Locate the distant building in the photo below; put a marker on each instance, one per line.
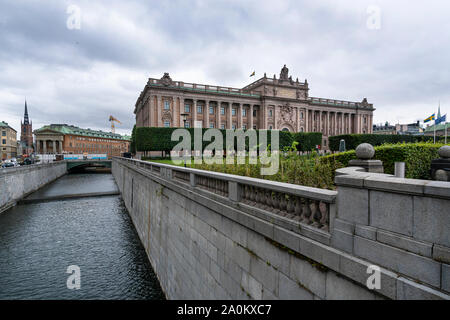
(440, 130)
(8, 141)
(384, 129)
(406, 129)
(413, 129)
(63, 138)
(26, 133)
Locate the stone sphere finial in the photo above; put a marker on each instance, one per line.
(444, 152)
(365, 151)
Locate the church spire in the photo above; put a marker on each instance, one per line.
(25, 117)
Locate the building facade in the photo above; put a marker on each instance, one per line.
(8, 141)
(68, 139)
(268, 103)
(413, 129)
(26, 133)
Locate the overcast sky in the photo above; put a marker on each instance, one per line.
(400, 62)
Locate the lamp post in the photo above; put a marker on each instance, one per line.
(184, 117)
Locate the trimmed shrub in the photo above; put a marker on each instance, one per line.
(159, 139)
(417, 158)
(353, 140)
(133, 140)
(307, 141)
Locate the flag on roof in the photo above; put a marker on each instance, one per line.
(441, 119)
(429, 118)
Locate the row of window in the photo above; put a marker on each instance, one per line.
(93, 139)
(187, 124)
(187, 109)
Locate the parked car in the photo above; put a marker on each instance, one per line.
(8, 164)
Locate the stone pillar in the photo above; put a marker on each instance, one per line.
(194, 114)
(328, 125)
(53, 146)
(241, 115)
(45, 146)
(61, 146)
(159, 111)
(320, 122)
(230, 115)
(342, 123)
(335, 124)
(180, 107)
(219, 115)
(250, 116)
(206, 125)
(349, 123)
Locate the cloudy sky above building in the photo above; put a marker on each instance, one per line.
(400, 62)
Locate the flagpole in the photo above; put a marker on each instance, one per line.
(445, 128)
(435, 131)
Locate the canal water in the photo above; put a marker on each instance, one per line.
(39, 241)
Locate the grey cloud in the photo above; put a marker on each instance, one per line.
(82, 76)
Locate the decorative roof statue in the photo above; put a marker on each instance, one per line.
(265, 75)
(284, 74)
(166, 79)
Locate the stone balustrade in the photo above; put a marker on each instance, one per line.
(214, 235)
(205, 88)
(298, 208)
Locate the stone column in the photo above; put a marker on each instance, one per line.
(251, 116)
(306, 120)
(180, 107)
(240, 115)
(230, 115)
(219, 115)
(194, 114)
(349, 123)
(53, 146)
(159, 111)
(327, 128)
(320, 122)
(45, 146)
(206, 114)
(38, 147)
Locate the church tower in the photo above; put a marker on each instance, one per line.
(26, 135)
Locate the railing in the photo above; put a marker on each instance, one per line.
(307, 211)
(332, 102)
(300, 205)
(205, 88)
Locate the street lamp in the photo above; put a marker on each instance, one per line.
(184, 117)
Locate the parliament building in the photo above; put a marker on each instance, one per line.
(267, 103)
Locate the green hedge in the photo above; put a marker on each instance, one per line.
(159, 139)
(353, 140)
(417, 157)
(307, 141)
(133, 140)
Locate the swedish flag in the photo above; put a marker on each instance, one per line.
(429, 118)
(253, 73)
